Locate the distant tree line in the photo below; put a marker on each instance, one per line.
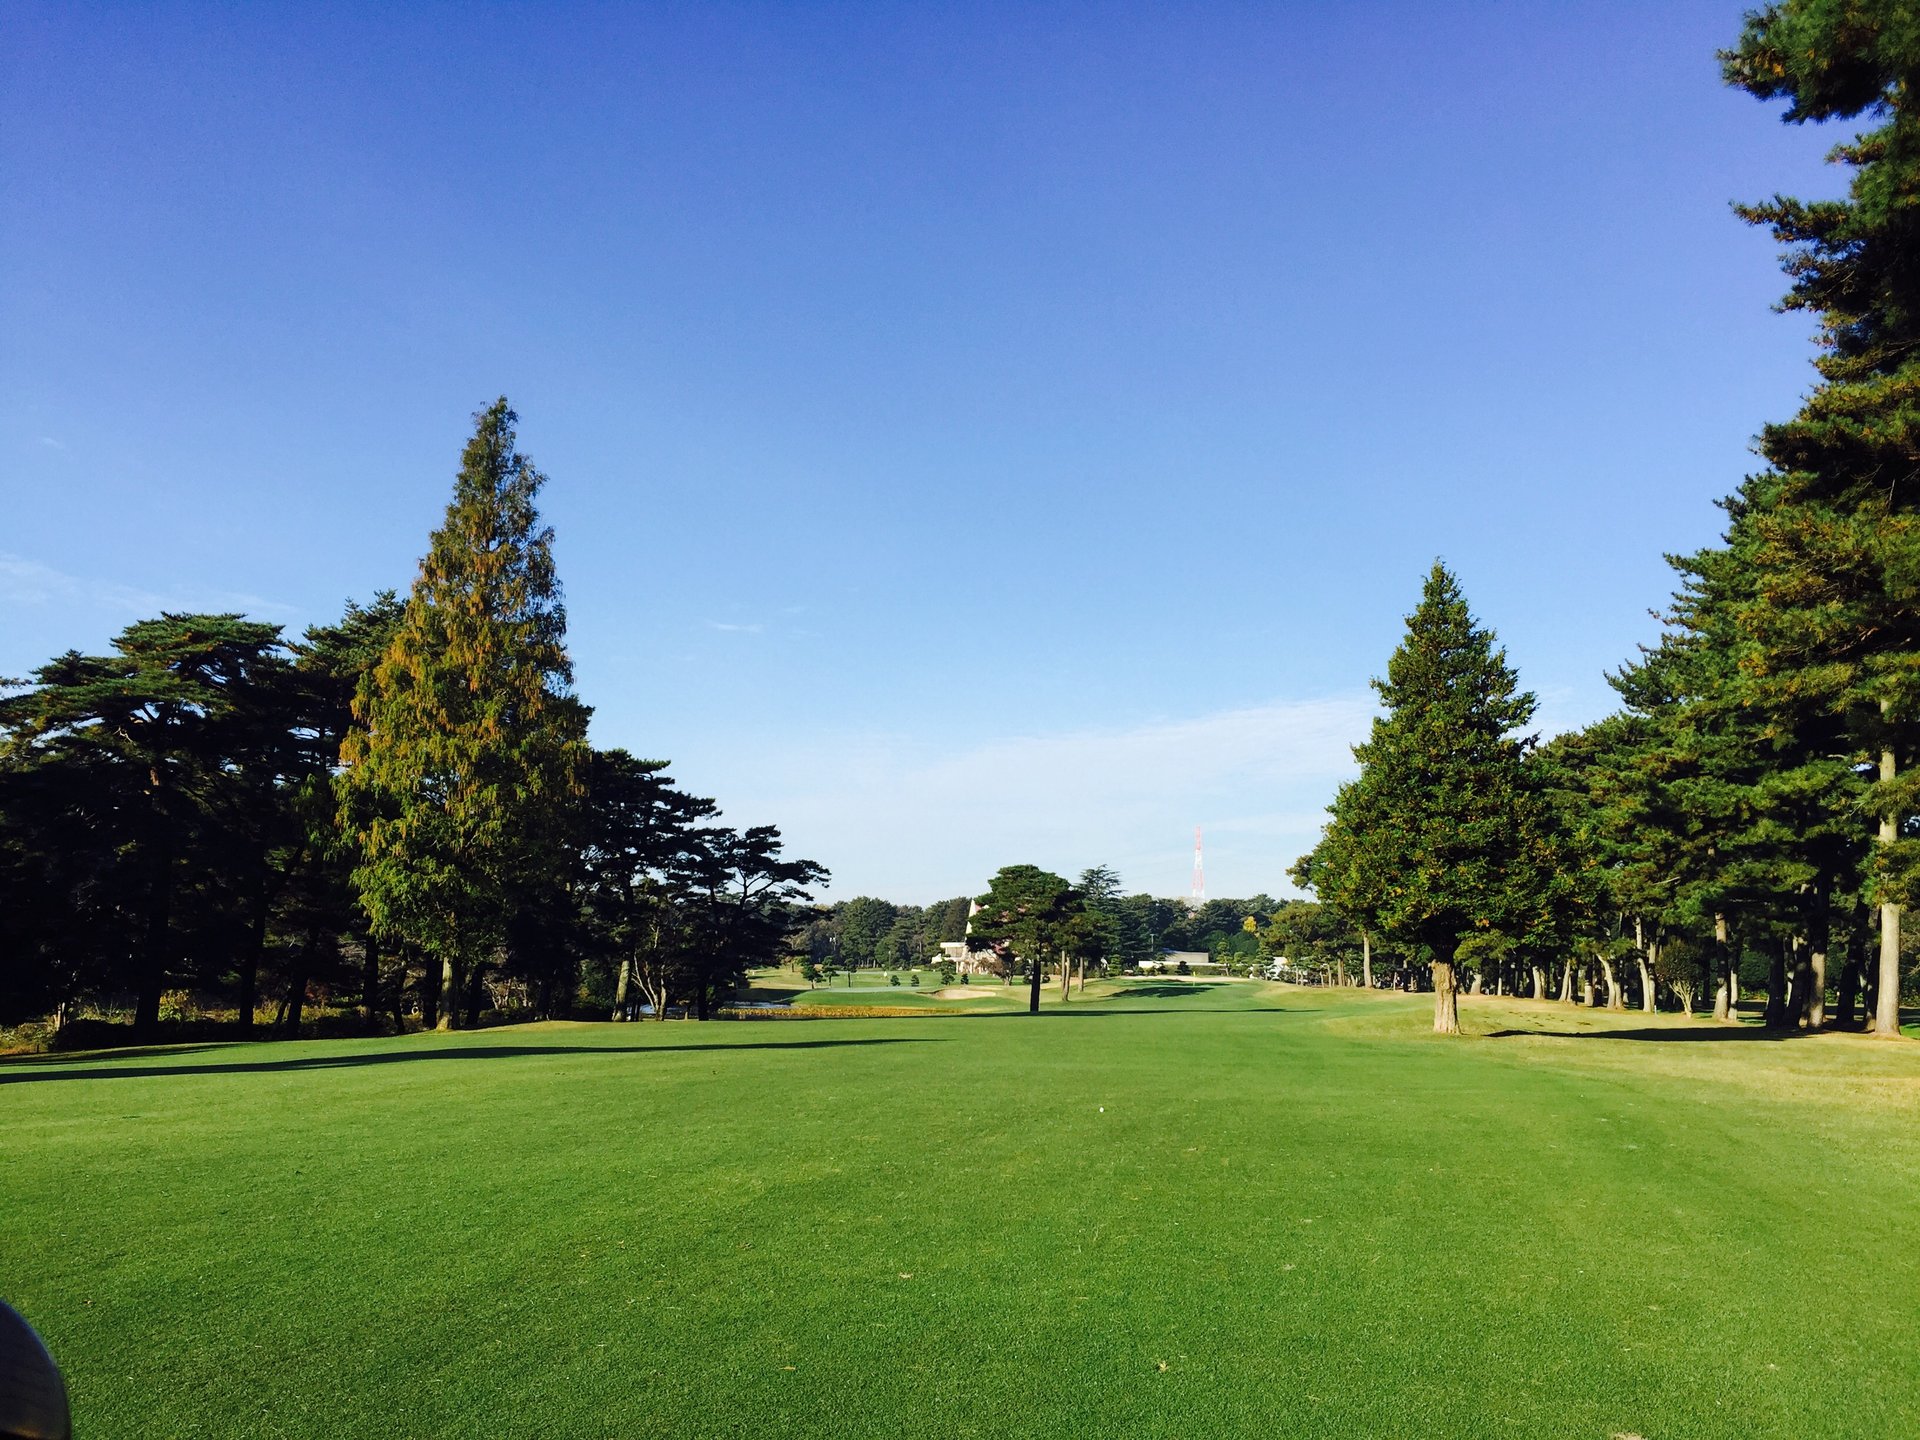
(866, 933)
(1750, 811)
(1126, 932)
(398, 811)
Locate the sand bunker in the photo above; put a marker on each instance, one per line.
(965, 992)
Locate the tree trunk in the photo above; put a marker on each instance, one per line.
(1586, 984)
(1566, 982)
(1479, 973)
(1849, 982)
(626, 979)
(1649, 987)
(1366, 959)
(1776, 1012)
(370, 979)
(1615, 1000)
(295, 1005)
(248, 999)
(447, 992)
(397, 992)
(1799, 984)
(1722, 973)
(1539, 982)
(1813, 1008)
(1080, 970)
(474, 995)
(1886, 985)
(1446, 1003)
(1033, 995)
(1066, 978)
(652, 980)
(1810, 988)
(153, 945)
(1886, 1010)
(431, 977)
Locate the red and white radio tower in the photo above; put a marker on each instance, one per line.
(1199, 873)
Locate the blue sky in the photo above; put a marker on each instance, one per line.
(976, 434)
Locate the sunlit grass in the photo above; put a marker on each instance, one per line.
(1178, 1210)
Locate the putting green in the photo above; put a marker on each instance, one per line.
(1176, 1211)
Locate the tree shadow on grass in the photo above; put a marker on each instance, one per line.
(1090, 1010)
(1189, 1010)
(776, 992)
(396, 1057)
(1164, 990)
(1662, 1033)
(131, 1052)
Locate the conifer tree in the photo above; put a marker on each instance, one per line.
(330, 663)
(639, 835)
(160, 738)
(1338, 872)
(742, 901)
(1027, 915)
(467, 738)
(1449, 811)
(1099, 887)
(1833, 526)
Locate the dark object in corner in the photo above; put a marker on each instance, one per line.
(33, 1397)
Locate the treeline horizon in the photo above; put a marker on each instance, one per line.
(399, 807)
(1756, 790)
(866, 932)
(402, 805)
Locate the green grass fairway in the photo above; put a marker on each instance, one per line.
(1296, 1215)
(870, 987)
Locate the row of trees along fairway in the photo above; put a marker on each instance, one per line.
(401, 808)
(1755, 795)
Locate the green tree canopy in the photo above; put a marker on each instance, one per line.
(154, 741)
(1030, 915)
(1448, 807)
(468, 742)
(1832, 527)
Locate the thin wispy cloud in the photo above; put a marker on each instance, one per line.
(901, 818)
(731, 628)
(24, 581)
(50, 443)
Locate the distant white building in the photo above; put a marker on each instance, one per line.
(965, 961)
(1172, 959)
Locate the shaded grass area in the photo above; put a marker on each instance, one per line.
(1223, 1211)
(915, 999)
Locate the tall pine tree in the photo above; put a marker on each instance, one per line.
(1444, 815)
(467, 739)
(1833, 526)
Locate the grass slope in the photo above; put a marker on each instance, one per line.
(1297, 1214)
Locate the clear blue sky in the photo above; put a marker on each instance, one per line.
(977, 434)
